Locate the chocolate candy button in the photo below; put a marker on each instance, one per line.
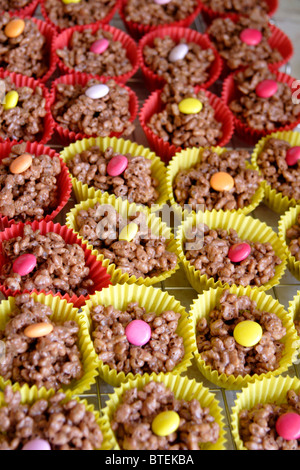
(190, 106)
(266, 89)
(25, 264)
(222, 181)
(14, 28)
(288, 426)
(100, 46)
(38, 330)
(178, 52)
(251, 37)
(11, 100)
(21, 164)
(165, 423)
(97, 91)
(239, 252)
(138, 332)
(247, 333)
(129, 232)
(117, 165)
(37, 444)
(292, 156)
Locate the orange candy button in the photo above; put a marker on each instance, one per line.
(222, 181)
(14, 28)
(38, 330)
(21, 164)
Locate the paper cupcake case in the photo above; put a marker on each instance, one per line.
(28, 10)
(275, 200)
(62, 312)
(285, 222)
(104, 20)
(30, 396)
(154, 81)
(207, 301)
(246, 227)
(138, 30)
(209, 15)
(166, 150)
(98, 272)
(183, 389)
(64, 182)
(271, 390)
(23, 81)
(66, 136)
(248, 134)
(63, 40)
(117, 276)
(187, 159)
(153, 300)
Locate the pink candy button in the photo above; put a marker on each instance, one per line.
(266, 88)
(161, 2)
(251, 37)
(288, 426)
(138, 332)
(292, 156)
(239, 252)
(24, 264)
(37, 444)
(100, 46)
(117, 165)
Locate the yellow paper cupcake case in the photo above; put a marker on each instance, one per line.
(153, 300)
(30, 395)
(125, 209)
(272, 198)
(268, 390)
(246, 227)
(285, 222)
(207, 301)
(62, 311)
(121, 146)
(183, 388)
(187, 159)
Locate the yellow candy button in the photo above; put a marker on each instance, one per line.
(21, 164)
(11, 100)
(165, 423)
(222, 181)
(247, 333)
(67, 2)
(129, 232)
(190, 106)
(14, 28)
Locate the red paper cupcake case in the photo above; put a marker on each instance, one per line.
(279, 40)
(252, 136)
(154, 81)
(209, 15)
(98, 273)
(137, 31)
(164, 149)
(64, 179)
(20, 81)
(28, 10)
(104, 20)
(66, 136)
(62, 40)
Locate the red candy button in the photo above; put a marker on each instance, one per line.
(24, 264)
(288, 426)
(251, 37)
(266, 88)
(117, 165)
(138, 332)
(239, 252)
(292, 156)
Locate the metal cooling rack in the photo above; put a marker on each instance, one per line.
(177, 285)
